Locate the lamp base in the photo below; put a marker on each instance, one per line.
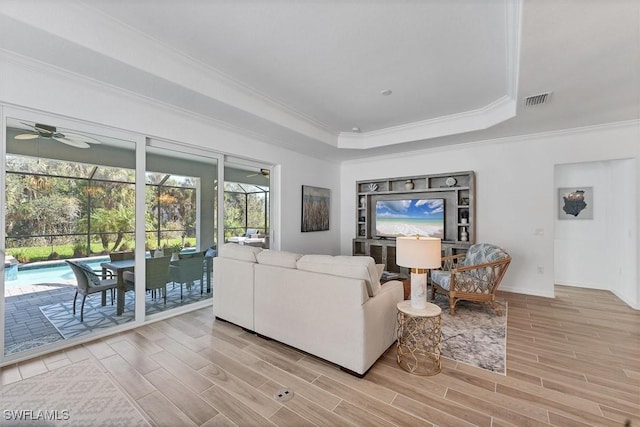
(418, 288)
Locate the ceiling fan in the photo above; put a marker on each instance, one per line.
(263, 172)
(50, 132)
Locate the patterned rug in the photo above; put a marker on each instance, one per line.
(475, 335)
(74, 395)
(60, 314)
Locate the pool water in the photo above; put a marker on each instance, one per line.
(50, 272)
(54, 271)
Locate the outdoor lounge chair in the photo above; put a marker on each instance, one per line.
(88, 282)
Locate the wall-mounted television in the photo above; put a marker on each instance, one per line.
(410, 217)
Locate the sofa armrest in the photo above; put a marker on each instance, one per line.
(233, 291)
(380, 320)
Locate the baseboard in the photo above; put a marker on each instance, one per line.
(231, 323)
(624, 298)
(633, 304)
(581, 285)
(525, 291)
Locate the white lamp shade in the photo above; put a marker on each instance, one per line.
(418, 252)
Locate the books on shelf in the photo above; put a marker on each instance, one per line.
(387, 275)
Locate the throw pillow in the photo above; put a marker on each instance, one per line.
(240, 252)
(93, 277)
(278, 258)
(355, 267)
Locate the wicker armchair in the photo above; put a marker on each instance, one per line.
(88, 282)
(474, 276)
(156, 276)
(188, 270)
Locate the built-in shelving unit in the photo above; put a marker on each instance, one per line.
(456, 189)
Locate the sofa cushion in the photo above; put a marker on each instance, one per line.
(355, 267)
(240, 252)
(380, 270)
(278, 258)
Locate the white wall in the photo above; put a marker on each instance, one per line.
(515, 193)
(34, 86)
(599, 253)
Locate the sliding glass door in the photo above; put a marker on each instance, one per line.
(104, 230)
(247, 204)
(70, 208)
(180, 200)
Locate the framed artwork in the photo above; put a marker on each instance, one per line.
(575, 203)
(316, 205)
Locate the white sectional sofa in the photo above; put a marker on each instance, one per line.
(332, 307)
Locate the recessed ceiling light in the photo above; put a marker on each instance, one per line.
(355, 129)
(385, 92)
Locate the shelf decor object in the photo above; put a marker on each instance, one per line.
(419, 254)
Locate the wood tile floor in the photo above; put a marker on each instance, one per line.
(571, 361)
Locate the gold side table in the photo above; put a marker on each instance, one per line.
(419, 338)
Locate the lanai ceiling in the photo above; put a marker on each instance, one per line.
(311, 75)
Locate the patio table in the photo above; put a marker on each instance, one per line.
(119, 267)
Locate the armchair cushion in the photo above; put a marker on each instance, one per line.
(442, 278)
(481, 253)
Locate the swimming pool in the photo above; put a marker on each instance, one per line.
(55, 271)
(49, 272)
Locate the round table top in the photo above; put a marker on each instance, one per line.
(429, 311)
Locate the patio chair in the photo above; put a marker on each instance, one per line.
(88, 282)
(156, 276)
(474, 276)
(187, 270)
(120, 256)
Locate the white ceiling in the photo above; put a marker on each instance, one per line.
(303, 74)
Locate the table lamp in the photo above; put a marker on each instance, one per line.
(419, 253)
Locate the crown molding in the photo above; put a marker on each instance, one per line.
(489, 115)
(502, 140)
(84, 26)
(482, 118)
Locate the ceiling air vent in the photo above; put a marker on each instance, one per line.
(541, 98)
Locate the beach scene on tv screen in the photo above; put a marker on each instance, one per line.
(410, 217)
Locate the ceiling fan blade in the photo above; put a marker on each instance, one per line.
(26, 136)
(71, 142)
(44, 130)
(263, 172)
(81, 138)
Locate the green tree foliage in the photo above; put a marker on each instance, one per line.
(56, 198)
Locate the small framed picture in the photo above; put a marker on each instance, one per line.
(575, 203)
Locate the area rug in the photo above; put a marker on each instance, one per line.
(475, 335)
(61, 316)
(75, 395)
